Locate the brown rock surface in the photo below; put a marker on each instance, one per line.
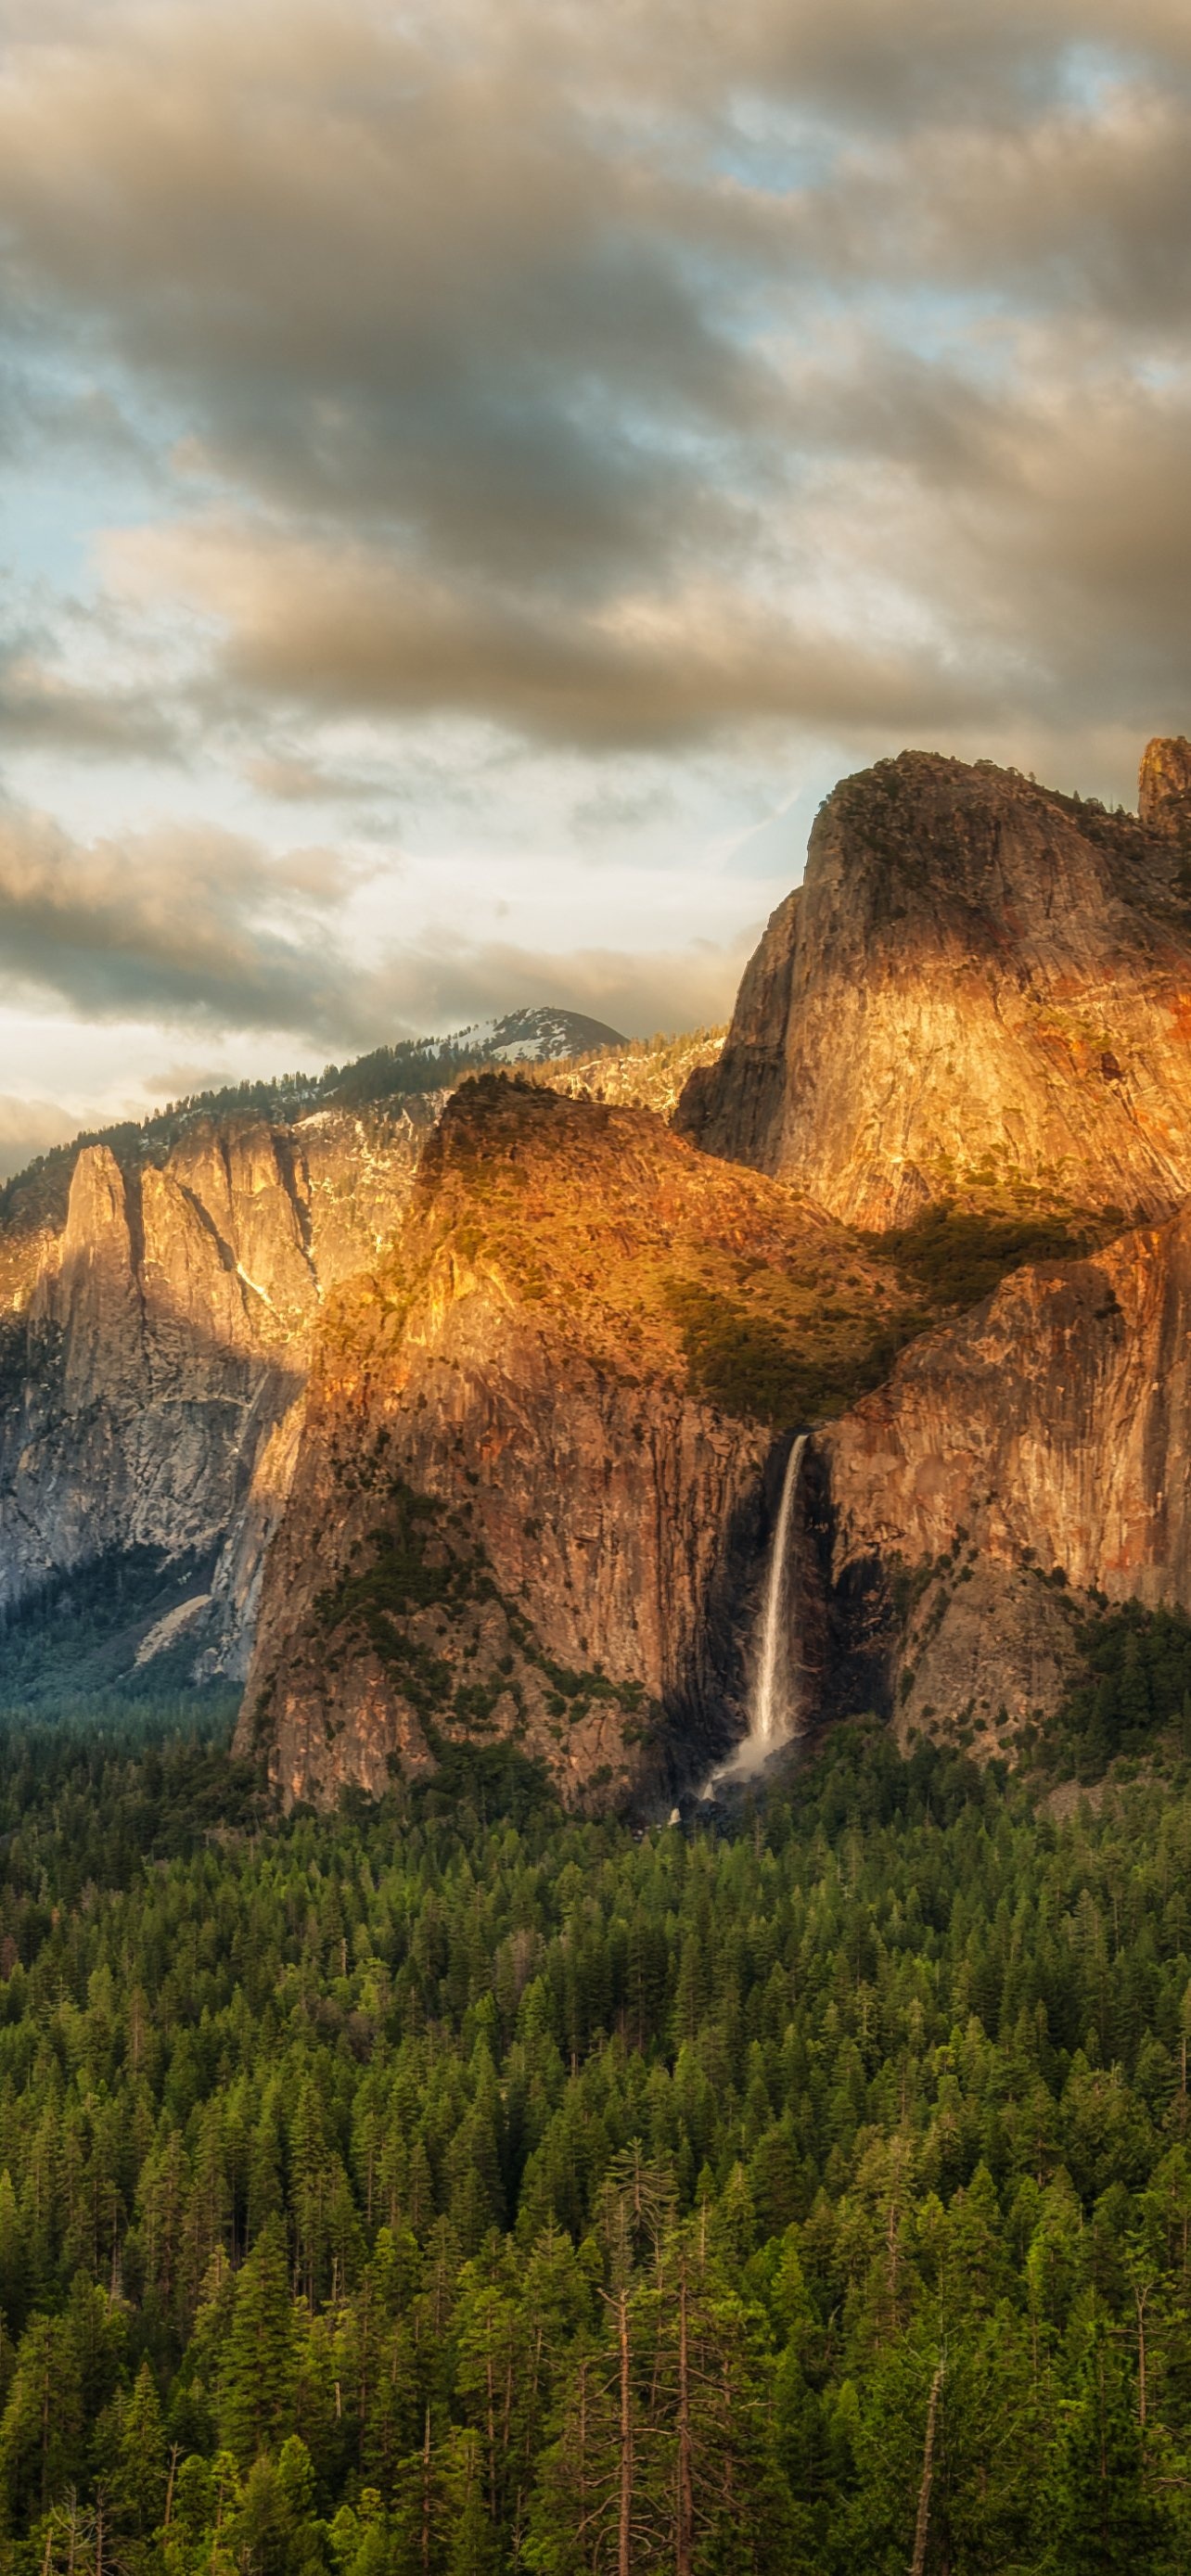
(516, 1509)
(1038, 1448)
(156, 1313)
(983, 991)
(1164, 791)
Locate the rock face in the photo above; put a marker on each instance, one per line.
(157, 1310)
(733, 1105)
(1039, 1447)
(513, 1514)
(154, 1354)
(1164, 796)
(983, 991)
(475, 1417)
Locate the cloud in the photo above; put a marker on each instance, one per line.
(644, 386)
(29, 1127)
(184, 922)
(617, 378)
(446, 983)
(339, 630)
(207, 930)
(43, 708)
(388, 271)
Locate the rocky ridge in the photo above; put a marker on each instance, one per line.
(982, 990)
(653, 1073)
(1017, 1463)
(556, 1348)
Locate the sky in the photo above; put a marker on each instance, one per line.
(474, 477)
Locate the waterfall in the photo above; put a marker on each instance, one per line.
(772, 1715)
(771, 1694)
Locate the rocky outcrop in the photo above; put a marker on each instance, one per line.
(156, 1349)
(1164, 790)
(983, 992)
(516, 1510)
(1037, 1450)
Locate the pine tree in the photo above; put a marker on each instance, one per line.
(137, 2487)
(1102, 2514)
(473, 2550)
(1136, 1703)
(257, 2379)
(41, 2428)
(14, 2267)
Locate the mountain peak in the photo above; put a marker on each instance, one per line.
(982, 995)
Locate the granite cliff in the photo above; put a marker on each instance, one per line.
(472, 1408)
(538, 1465)
(160, 1287)
(982, 991)
(1017, 1464)
(155, 1347)
(161, 1290)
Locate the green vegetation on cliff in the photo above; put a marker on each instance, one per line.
(432, 2190)
(952, 1257)
(1135, 1699)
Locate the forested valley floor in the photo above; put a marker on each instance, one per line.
(452, 2187)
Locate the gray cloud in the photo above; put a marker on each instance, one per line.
(333, 628)
(622, 378)
(41, 708)
(186, 923)
(29, 1127)
(447, 983)
(206, 929)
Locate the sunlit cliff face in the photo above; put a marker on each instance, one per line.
(982, 993)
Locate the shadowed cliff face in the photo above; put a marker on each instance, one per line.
(1045, 1435)
(513, 1512)
(156, 1349)
(983, 991)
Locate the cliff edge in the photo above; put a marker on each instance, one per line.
(982, 992)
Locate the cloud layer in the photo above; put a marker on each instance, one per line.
(605, 386)
(624, 375)
(202, 929)
(186, 922)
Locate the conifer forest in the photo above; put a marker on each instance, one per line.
(451, 2187)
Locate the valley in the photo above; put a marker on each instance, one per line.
(595, 1766)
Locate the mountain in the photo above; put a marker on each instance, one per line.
(528, 1037)
(450, 1397)
(152, 1360)
(163, 1287)
(981, 991)
(37, 1194)
(536, 1477)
